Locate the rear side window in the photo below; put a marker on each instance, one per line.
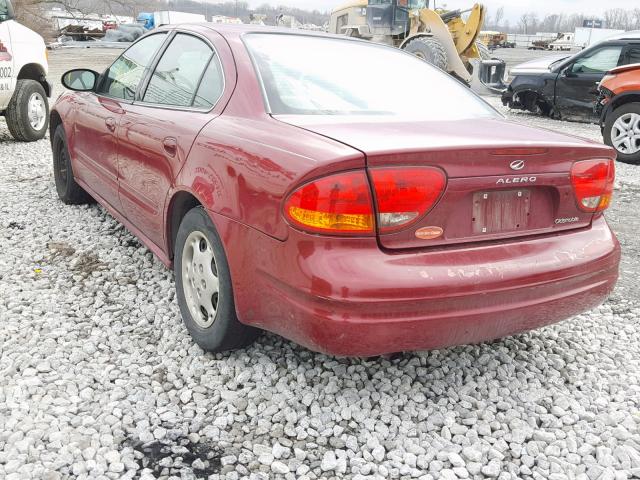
(212, 85)
(124, 75)
(176, 78)
(633, 55)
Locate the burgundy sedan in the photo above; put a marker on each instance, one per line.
(342, 194)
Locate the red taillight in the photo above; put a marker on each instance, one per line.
(592, 182)
(342, 203)
(336, 204)
(405, 194)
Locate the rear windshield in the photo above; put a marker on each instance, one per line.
(306, 75)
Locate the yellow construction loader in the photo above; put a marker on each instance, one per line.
(442, 38)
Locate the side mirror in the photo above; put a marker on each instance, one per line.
(6, 11)
(568, 72)
(80, 80)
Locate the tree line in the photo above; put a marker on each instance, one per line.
(531, 22)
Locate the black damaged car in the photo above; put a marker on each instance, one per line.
(564, 86)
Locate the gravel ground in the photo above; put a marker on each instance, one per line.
(99, 379)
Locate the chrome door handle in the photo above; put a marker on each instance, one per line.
(111, 124)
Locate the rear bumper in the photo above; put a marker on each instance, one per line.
(347, 297)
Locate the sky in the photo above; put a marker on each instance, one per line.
(513, 8)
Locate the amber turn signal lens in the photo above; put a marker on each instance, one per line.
(338, 204)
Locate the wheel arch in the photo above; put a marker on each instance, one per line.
(618, 101)
(413, 37)
(624, 98)
(528, 96)
(181, 202)
(55, 120)
(34, 71)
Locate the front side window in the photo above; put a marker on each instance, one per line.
(599, 61)
(345, 77)
(124, 75)
(179, 71)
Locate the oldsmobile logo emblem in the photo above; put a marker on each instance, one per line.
(517, 165)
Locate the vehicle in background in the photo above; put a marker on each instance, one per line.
(24, 89)
(109, 25)
(540, 45)
(441, 38)
(167, 17)
(563, 43)
(146, 20)
(565, 86)
(299, 194)
(494, 40)
(287, 21)
(585, 37)
(618, 107)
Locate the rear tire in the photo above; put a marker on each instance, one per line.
(625, 118)
(28, 112)
(68, 190)
(430, 50)
(203, 286)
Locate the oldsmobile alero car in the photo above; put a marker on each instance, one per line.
(345, 195)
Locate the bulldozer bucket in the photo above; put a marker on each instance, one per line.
(488, 76)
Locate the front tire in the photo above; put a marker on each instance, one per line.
(430, 50)
(203, 286)
(622, 132)
(68, 189)
(27, 114)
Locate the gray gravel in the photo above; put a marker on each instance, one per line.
(99, 379)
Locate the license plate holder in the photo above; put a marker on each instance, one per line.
(501, 211)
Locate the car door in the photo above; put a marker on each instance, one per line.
(576, 85)
(94, 143)
(157, 131)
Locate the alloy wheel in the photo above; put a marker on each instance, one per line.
(625, 133)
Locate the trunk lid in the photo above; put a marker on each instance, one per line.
(503, 179)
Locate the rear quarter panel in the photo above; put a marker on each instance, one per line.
(243, 168)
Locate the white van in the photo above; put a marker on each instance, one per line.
(564, 42)
(24, 89)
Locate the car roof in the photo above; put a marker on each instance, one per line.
(631, 35)
(236, 30)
